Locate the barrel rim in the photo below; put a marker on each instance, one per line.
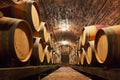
(98, 35)
(30, 41)
(42, 48)
(38, 11)
(88, 46)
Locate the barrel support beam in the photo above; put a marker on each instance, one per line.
(106, 73)
(21, 72)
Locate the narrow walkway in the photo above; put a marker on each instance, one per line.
(66, 73)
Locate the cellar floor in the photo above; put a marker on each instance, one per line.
(66, 73)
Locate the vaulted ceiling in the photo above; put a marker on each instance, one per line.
(77, 14)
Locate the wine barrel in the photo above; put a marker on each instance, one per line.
(1, 14)
(38, 55)
(49, 41)
(74, 59)
(82, 57)
(51, 52)
(89, 32)
(37, 1)
(7, 3)
(56, 59)
(79, 55)
(79, 44)
(43, 33)
(27, 10)
(52, 57)
(107, 46)
(47, 54)
(90, 54)
(70, 59)
(15, 39)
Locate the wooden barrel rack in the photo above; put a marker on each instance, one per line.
(102, 72)
(19, 73)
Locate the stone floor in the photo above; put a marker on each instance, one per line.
(66, 73)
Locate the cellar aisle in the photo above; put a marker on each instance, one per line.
(66, 73)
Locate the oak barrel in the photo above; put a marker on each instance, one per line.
(79, 43)
(107, 46)
(49, 42)
(79, 61)
(7, 3)
(89, 32)
(15, 39)
(1, 14)
(56, 58)
(43, 33)
(27, 10)
(47, 54)
(82, 57)
(90, 54)
(38, 51)
(51, 55)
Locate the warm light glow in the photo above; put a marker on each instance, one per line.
(64, 25)
(64, 29)
(64, 42)
(53, 52)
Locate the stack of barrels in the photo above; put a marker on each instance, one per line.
(87, 51)
(56, 58)
(73, 59)
(73, 56)
(99, 46)
(24, 38)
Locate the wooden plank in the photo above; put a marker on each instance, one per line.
(21, 72)
(109, 74)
